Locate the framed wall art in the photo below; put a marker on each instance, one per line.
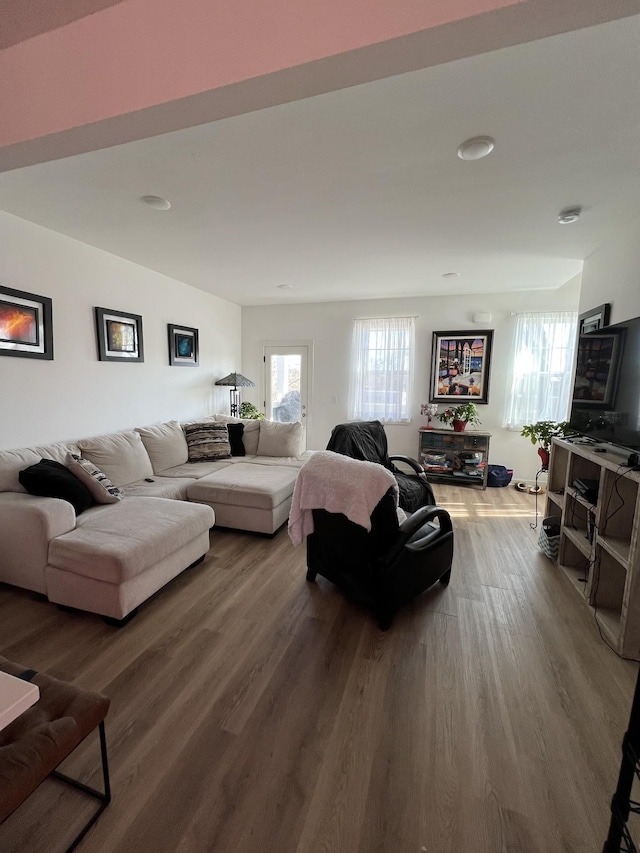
(183, 346)
(26, 324)
(460, 366)
(119, 335)
(595, 319)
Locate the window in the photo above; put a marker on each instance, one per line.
(542, 368)
(382, 369)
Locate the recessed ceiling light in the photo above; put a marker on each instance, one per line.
(285, 287)
(569, 215)
(476, 148)
(156, 202)
(450, 275)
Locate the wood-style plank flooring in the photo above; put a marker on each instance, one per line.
(252, 711)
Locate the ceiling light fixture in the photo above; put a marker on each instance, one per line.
(285, 287)
(569, 215)
(450, 275)
(476, 148)
(156, 202)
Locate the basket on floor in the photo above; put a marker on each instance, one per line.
(549, 545)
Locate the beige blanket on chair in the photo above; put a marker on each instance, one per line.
(337, 483)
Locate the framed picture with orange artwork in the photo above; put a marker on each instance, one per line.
(26, 324)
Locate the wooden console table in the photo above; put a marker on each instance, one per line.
(459, 458)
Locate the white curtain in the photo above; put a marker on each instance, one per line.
(382, 369)
(541, 372)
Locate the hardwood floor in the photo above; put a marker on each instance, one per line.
(252, 711)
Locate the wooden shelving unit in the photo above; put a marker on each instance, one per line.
(600, 542)
(456, 448)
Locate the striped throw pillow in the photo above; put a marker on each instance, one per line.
(207, 442)
(102, 489)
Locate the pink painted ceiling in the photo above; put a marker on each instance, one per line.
(139, 53)
(137, 68)
(28, 18)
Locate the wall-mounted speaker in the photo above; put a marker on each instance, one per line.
(481, 317)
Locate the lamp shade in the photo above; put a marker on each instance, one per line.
(236, 380)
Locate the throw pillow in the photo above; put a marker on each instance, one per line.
(278, 439)
(251, 433)
(100, 486)
(207, 441)
(235, 439)
(50, 479)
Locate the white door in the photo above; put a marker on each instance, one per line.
(286, 383)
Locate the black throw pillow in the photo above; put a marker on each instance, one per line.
(49, 479)
(235, 439)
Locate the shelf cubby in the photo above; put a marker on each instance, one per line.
(557, 474)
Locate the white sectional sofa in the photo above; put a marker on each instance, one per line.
(110, 558)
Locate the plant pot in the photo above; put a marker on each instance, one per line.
(459, 426)
(544, 458)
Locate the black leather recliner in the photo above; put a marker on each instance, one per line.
(388, 566)
(367, 441)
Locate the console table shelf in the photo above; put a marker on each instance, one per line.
(460, 458)
(599, 548)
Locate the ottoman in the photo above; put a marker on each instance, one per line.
(246, 496)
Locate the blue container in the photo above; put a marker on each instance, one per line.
(499, 476)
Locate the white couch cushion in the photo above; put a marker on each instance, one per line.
(118, 542)
(245, 485)
(195, 470)
(165, 444)
(121, 456)
(161, 487)
(278, 439)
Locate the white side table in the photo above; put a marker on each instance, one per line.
(16, 696)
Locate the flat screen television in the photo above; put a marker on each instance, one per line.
(606, 393)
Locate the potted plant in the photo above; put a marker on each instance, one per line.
(460, 416)
(541, 433)
(250, 412)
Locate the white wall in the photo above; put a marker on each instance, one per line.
(329, 326)
(76, 395)
(612, 274)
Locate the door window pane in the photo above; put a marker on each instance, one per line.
(285, 388)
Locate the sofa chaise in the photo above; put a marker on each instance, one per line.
(112, 557)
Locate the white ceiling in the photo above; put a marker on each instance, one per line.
(359, 193)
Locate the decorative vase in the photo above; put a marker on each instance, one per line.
(459, 426)
(544, 458)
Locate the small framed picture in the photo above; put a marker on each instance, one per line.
(183, 346)
(460, 366)
(26, 327)
(595, 319)
(119, 335)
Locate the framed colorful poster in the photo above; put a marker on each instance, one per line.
(183, 346)
(26, 327)
(119, 335)
(460, 366)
